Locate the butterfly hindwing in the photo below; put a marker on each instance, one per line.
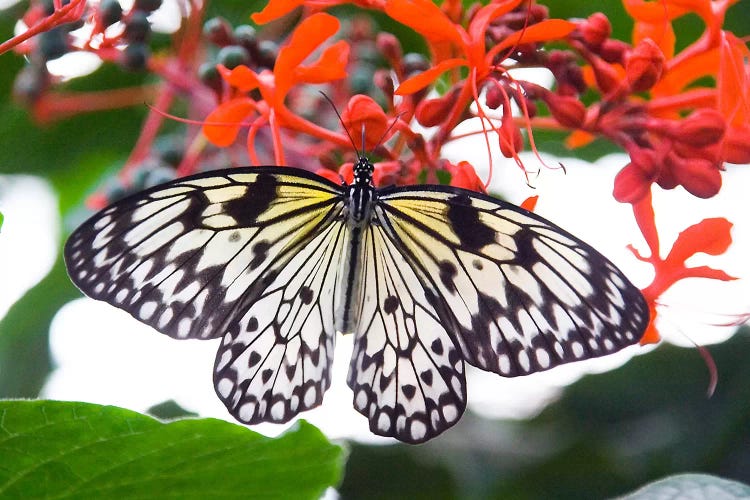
(406, 374)
(180, 256)
(275, 361)
(518, 294)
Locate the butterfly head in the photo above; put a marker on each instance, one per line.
(363, 170)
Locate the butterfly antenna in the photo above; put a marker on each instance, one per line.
(351, 139)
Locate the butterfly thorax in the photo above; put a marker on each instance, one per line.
(358, 206)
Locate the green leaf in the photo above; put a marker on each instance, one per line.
(694, 486)
(52, 449)
(1, 220)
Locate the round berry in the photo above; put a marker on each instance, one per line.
(110, 11)
(232, 56)
(147, 5)
(137, 27)
(53, 44)
(218, 31)
(135, 56)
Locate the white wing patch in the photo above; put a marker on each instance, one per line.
(406, 374)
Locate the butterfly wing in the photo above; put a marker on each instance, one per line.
(275, 361)
(406, 374)
(179, 257)
(242, 253)
(516, 293)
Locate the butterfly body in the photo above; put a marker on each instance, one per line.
(276, 260)
(357, 215)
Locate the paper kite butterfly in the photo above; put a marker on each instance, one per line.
(276, 260)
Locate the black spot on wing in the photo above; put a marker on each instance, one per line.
(464, 219)
(306, 294)
(257, 199)
(260, 253)
(390, 304)
(448, 273)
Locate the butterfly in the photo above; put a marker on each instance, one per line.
(276, 260)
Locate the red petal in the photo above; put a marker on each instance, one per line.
(347, 172)
(550, 29)
(330, 66)
(530, 203)
(710, 236)
(362, 113)
(425, 78)
(242, 78)
(651, 336)
(699, 177)
(426, 18)
(632, 183)
(485, 15)
(329, 174)
(223, 123)
(306, 38)
(464, 176)
(275, 9)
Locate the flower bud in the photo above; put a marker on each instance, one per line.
(432, 112)
(568, 111)
(511, 141)
(596, 29)
(703, 127)
(613, 51)
(362, 113)
(632, 183)
(494, 97)
(644, 65)
(389, 46)
(736, 148)
(699, 177)
(218, 31)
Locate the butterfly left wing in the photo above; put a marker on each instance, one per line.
(181, 256)
(245, 254)
(516, 293)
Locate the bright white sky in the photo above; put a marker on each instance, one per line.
(104, 356)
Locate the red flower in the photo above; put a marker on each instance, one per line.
(447, 37)
(709, 236)
(223, 124)
(464, 176)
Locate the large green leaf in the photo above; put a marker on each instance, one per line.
(52, 449)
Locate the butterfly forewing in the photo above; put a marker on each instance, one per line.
(180, 257)
(518, 294)
(406, 375)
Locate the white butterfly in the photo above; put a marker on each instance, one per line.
(276, 260)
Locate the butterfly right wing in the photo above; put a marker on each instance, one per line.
(406, 374)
